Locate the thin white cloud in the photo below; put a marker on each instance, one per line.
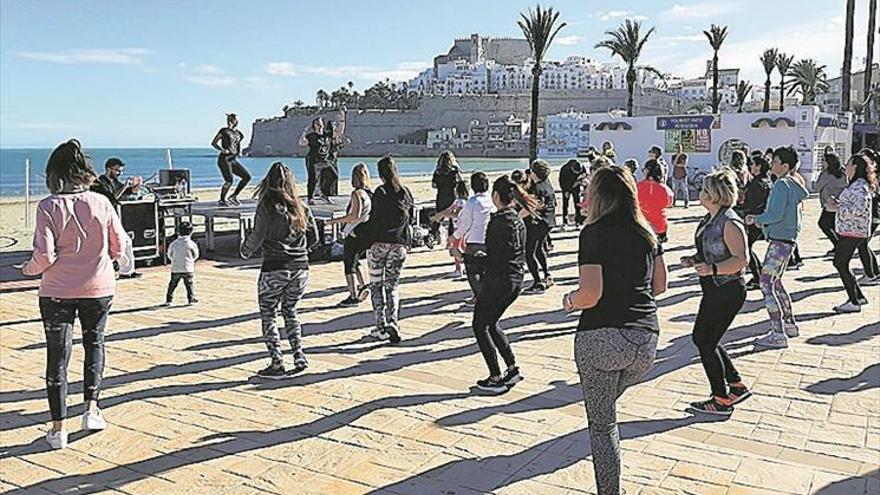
(130, 56)
(280, 69)
(400, 72)
(611, 15)
(681, 38)
(703, 10)
(210, 75)
(257, 82)
(569, 40)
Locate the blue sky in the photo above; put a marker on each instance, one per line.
(162, 73)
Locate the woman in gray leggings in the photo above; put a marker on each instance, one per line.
(619, 259)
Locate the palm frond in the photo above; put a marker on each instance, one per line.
(768, 60)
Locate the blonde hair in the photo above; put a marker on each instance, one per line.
(720, 187)
(612, 191)
(360, 176)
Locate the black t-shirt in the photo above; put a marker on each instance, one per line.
(230, 140)
(627, 261)
(108, 187)
(445, 184)
(320, 147)
(568, 175)
(390, 215)
(545, 194)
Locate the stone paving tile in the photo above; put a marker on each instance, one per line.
(187, 416)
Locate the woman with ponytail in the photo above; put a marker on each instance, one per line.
(285, 229)
(502, 281)
(621, 269)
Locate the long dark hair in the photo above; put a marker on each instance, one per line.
(509, 191)
(447, 163)
(764, 165)
(388, 173)
(832, 165)
(612, 191)
(68, 164)
(277, 192)
(864, 170)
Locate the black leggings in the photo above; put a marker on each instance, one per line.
(474, 265)
(353, 250)
(229, 166)
(58, 316)
(312, 178)
(868, 258)
(826, 225)
(717, 309)
(496, 295)
(846, 246)
(536, 237)
(754, 235)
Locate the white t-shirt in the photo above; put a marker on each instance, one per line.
(474, 218)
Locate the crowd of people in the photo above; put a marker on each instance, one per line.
(495, 235)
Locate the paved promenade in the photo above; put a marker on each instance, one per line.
(187, 416)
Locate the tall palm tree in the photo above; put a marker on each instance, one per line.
(539, 28)
(869, 60)
(807, 78)
(768, 60)
(627, 43)
(716, 36)
(742, 92)
(783, 63)
(846, 81)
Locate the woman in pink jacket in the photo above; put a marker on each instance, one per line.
(77, 237)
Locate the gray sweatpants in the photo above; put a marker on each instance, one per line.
(386, 262)
(609, 360)
(282, 288)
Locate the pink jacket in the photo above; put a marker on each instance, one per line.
(77, 237)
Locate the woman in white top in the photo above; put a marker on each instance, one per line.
(471, 229)
(356, 240)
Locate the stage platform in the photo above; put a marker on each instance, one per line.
(244, 214)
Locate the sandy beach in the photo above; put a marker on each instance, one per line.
(15, 235)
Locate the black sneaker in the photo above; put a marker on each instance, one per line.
(393, 336)
(193, 301)
(348, 302)
(273, 372)
(512, 377)
(711, 406)
(536, 288)
(233, 201)
(298, 367)
(753, 285)
(132, 275)
(737, 394)
(222, 203)
(490, 385)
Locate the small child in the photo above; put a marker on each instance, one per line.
(183, 253)
(456, 246)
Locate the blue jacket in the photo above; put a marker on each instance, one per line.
(781, 219)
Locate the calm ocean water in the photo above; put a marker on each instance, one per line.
(202, 163)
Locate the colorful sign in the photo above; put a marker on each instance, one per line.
(692, 132)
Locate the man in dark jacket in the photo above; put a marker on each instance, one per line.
(570, 176)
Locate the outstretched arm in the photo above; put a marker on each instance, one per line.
(302, 138)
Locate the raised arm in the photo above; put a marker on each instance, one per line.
(303, 141)
(216, 143)
(339, 132)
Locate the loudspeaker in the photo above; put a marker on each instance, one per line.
(140, 219)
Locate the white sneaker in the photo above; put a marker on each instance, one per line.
(773, 340)
(377, 333)
(94, 420)
(791, 329)
(866, 280)
(56, 439)
(848, 307)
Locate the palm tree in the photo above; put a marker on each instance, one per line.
(869, 59)
(627, 43)
(783, 63)
(716, 36)
(768, 60)
(846, 81)
(742, 92)
(808, 78)
(539, 28)
(322, 98)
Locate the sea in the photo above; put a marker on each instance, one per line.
(202, 164)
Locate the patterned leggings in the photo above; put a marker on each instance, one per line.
(610, 360)
(776, 299)
(284, 288)
(386, 262)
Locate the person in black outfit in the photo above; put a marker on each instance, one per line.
(757, 192)
(446, 175)
(538, 225)
(323, 146)
(228, 143)
(501, 281)
(109, 186)
(570, 176)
